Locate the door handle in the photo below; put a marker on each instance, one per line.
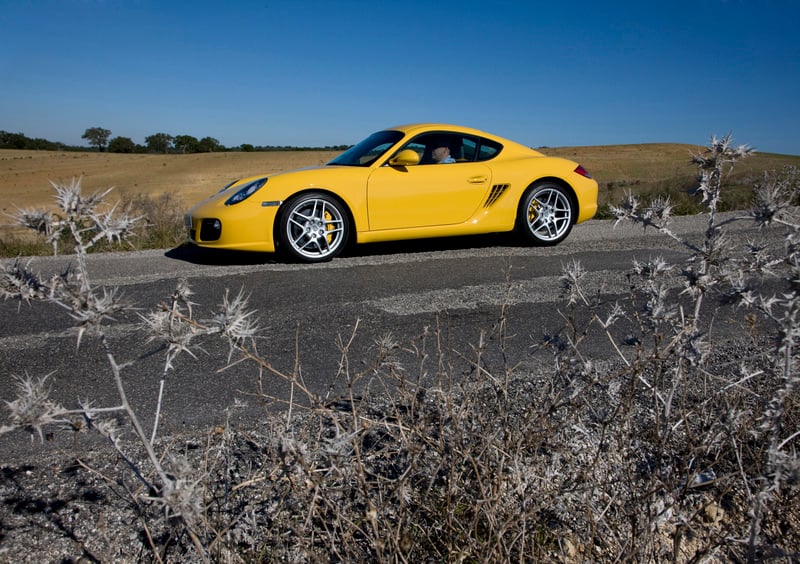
(476, 179)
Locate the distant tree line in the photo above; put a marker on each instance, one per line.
(100, 139)
(20, 141)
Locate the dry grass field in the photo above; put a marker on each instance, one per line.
(25, 181)
(653, 161)
(25, 175)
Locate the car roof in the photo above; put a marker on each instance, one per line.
(420, 127)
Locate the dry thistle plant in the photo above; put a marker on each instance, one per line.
(169, 485)
(717, 438)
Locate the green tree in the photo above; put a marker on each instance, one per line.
(121, 145)
(159, 142)
(186, 144)
(209, 145)
(97, 136)
(40, 144)
(13, 140)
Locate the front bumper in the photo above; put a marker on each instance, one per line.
(244, 231)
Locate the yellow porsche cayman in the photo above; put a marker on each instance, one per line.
(407, 182)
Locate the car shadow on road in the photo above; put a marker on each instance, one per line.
(199, 255)
(433, 245)
(219, 257)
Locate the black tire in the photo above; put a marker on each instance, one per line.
(313, 227)
(546, 214)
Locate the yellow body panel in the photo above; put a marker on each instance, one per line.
(426, 196)
(400, 202)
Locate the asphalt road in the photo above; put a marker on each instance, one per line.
(409, 290)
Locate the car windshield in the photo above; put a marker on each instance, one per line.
(368, 150)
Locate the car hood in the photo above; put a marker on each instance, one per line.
(281, 185)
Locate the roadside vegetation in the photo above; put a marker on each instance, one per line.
(160, 226)
(683, 448)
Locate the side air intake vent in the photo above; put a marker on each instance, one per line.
(494, 195)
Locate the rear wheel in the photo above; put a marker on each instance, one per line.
(313, 227)
(546, 214)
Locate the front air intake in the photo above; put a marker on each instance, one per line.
(210, 229)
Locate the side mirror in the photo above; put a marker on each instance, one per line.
(406, 157)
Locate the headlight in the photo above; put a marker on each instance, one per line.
(245, 191)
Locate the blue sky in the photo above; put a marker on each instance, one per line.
(315, 73)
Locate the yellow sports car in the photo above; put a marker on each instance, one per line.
(407, 182)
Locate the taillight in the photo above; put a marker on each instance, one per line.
(582, 171)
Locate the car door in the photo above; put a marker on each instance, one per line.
(429, 195)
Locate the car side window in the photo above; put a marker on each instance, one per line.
(488, 150)
(469, 148)
(462, 148)
(430, 147)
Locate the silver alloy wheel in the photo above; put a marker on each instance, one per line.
(314, 227)
(548, 214)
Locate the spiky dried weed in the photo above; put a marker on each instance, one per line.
(681, 448)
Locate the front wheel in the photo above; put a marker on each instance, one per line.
(313, 227)
(546, 214)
